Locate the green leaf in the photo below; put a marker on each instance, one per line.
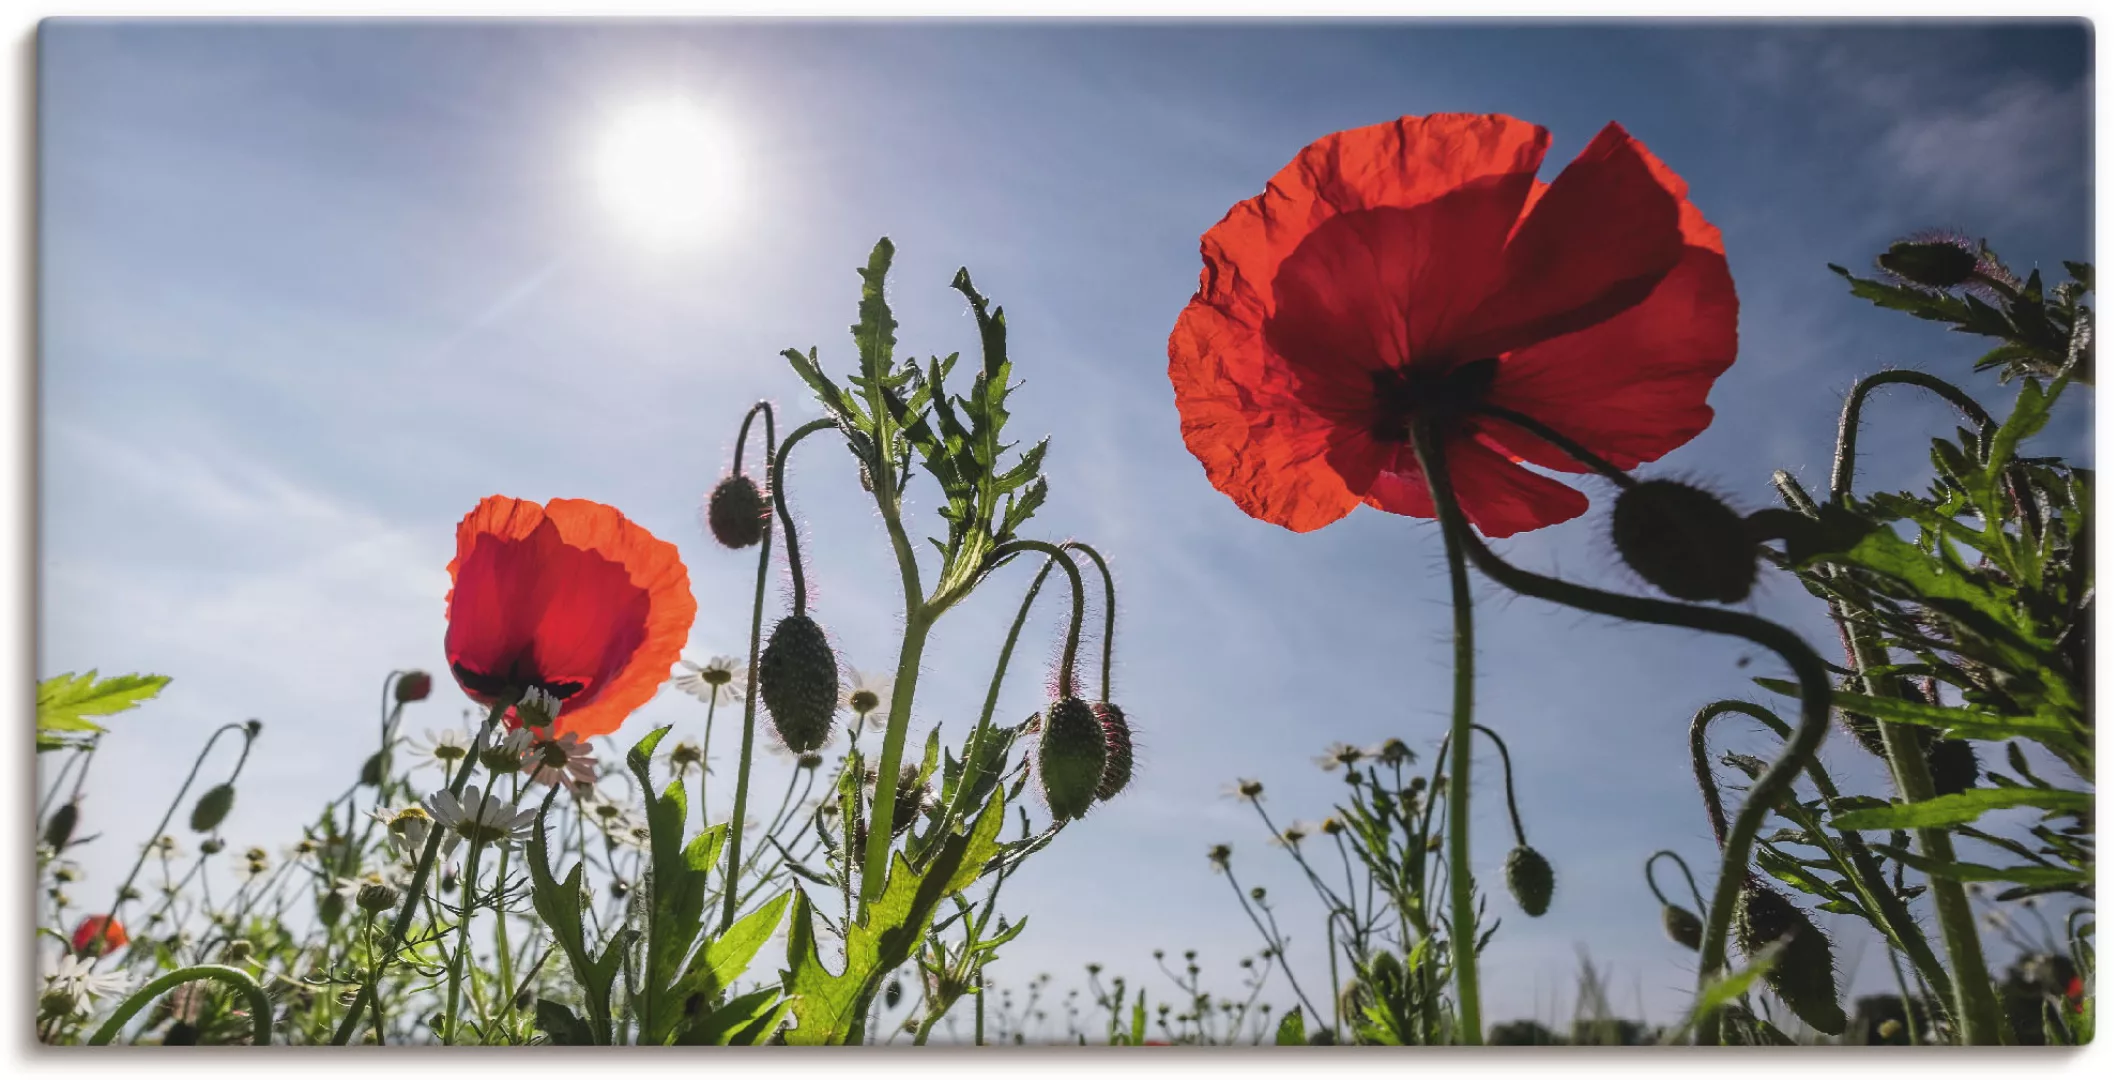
(1966, 871)
(1725, 990)
(744, 1021)
(1290, 1032)
(64, 701)
(558, 903)
(727, 956)
(1961, 807)
(561, 1026)
(1963, 723)
(677, 895)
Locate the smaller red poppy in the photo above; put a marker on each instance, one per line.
(91, 929)
(570, 598)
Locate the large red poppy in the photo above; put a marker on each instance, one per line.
(569, 597)
(1419, 269)
(91, 937)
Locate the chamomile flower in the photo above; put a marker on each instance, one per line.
(1340, 756)
(868, 695)
(565, 758)
(479, 818)
(719, 679)
(443, 748)
(1246, 790)
(407, 828)
(73, 985)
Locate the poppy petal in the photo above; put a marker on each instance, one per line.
(1594, 243)
(1633, 387)
(1499, 497)
(657, 571)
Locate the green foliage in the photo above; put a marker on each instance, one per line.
(65, 702)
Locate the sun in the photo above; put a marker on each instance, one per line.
(667, 170)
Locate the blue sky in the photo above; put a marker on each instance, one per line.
(308, 292)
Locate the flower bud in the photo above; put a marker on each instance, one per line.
(1682, 926)
(212, 808)
(212, 845)
(1529, 878)
(1684, 541)
(1939, 262)
(59, 827)
(1804, 977)
(736, 512)
(1071, 754)
(1117, 751)
(797, 675)
(237, 951)
(371, 770)
(892, 994)
(330, 908)
(501, 759)
(1954, 765)
(376, 897)
(414, 686)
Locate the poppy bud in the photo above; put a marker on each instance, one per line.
(911, 799)
(1804, 976)
(59, 828)
(1954, 765)
(414, 686)
(893, 993)
(212, 845)
(1071, 755)
(1117, 751)
(797, 675)
(1529, 878)
(1936, 263)
(376, 897)
(371, 770)
(330, 908)
(212, 808)
(1684, 541)
(1865, 731)
(736, 512)
(1682, 926)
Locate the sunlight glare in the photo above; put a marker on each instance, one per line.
(667, 171)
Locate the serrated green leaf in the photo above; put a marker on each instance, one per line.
(64, 701)
(1967, 871)
(1290, 1031)
(1961, 807)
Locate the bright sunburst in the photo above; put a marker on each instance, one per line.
(667, 170)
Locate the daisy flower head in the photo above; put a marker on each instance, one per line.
(505, 756)
(868, 695)
(443, 748)
(719, 679)
(72, 986)
(407, 828)
(1246, 790)
(1340, 756)
(479, 818)
(566, 758)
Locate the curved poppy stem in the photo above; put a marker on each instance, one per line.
(1072, 649)
(742, 435)
(1809, 671)
(779, 503)
(110, 917)
(972, 749)
(749, 743)
(1507, 774)
(1859, 865)
(1696, 899)
(1850, 418)
(240, 981)
(1567, 446)
(1463, 917)
(414, 891)
(1110, 606)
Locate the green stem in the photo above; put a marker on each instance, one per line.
(706, 755)
(779, 502)
(463, 940)
(1463, 924)
(111, 917)
(1850, 418)
(749, 743)
(260, 1005)
(876, 862)
(1809, 670)
(1696, 899)
(1110, 607)
(427, 858)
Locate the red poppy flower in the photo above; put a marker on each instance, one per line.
(1419, 270)
(91, 928)
(569, 597)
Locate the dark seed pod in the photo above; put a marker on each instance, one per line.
(797, 675)
(1935, 264)
(1682, 926)
(1804, 978)
(1865, 731)
(414, 686)
(736, 512)
(1529, 878)
(1954, 765)
(1684, 541)
(1070, 757)
(1117, 751)
(59, 827)
(212, 808)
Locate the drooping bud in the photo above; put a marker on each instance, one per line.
(736, 512)
(1682, 926)
(1804, 978)
(59, 827)
(1953, 764)
(1684, 541)
(212, 808)
(1529, 878)
(414, 686)
(1071, 753)
(212, 845)
(376, 897)
(371, 770)
(1939, 261)
(1117, 751)
(797, 675)
(331, 908)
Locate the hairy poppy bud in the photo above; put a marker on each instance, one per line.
(1804, 977)
(1682, 926)
(1954, 765)
(736, 512)
(1940, 262)
(910, 800)
(1684, 541)
(1529, 879)
(1117, 751)
(371, 770)
(331, 907)
(414, 686)
(376, 897)
(797, 675)
(59, 827)
(1071, 754)
(212, 808)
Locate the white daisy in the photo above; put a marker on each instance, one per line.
(407, 827)
(720, 678)
(73, 985)
(442, 749)
(630, 830)
(565, 758)
(868, 696)
(479, 818)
